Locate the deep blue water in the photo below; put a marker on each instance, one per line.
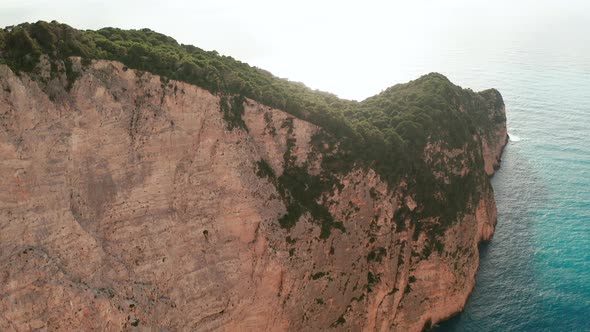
(535, 272)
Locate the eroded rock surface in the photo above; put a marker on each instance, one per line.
(127, 203)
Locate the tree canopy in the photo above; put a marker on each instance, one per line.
(387, 132)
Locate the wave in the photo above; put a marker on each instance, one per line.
(514, 138)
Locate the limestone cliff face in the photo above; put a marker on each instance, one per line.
(126, 203)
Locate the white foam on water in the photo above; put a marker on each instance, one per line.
(514, 138)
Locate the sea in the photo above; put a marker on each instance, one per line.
(534, 274)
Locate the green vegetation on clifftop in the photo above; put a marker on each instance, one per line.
(387, 132)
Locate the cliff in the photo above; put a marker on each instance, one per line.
(129, 200)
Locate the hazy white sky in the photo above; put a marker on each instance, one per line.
(351, 48)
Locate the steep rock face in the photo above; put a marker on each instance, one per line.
(496, 139)
(126, 202)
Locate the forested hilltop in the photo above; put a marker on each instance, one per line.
(387, 132)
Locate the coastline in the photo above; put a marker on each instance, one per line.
(481, 241)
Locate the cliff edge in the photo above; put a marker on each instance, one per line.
(130, 200)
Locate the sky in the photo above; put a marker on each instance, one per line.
(354, 49)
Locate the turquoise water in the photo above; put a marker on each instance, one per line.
(535, 272)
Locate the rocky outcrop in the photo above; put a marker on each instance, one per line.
(127, 203)
(496, 139)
